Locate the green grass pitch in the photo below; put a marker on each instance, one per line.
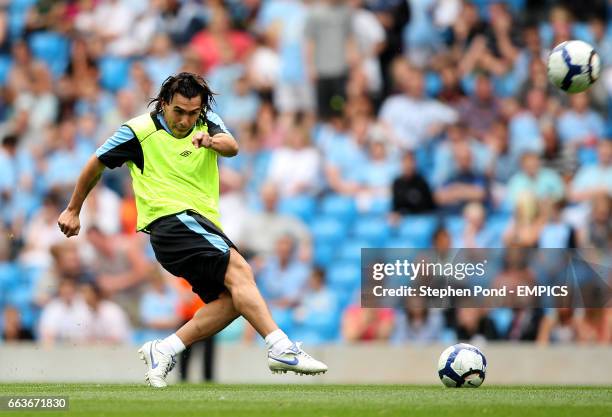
(211, 400)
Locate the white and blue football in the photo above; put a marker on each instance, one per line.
(462, 365)
(573, 66)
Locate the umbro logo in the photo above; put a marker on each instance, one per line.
(185, 153)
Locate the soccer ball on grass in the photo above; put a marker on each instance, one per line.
(462, 365)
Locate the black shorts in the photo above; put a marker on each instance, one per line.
(190, 246)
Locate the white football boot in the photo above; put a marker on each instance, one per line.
(295, 360)
(158, 364)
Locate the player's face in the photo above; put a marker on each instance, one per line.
(182, 113)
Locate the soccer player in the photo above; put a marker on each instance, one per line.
(172, 157)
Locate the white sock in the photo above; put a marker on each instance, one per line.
(171, 345)
(278, 342)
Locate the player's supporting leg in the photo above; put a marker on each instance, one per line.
(283, 355)
(159, 355)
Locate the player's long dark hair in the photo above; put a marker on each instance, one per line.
(188, 85)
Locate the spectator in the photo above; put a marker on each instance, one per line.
(159, 307)
(525, 134)
(283, 277)
(126, 107)
(594, 179)
(559, 325)
(393, 15)
(503, 164)
(218, 39)
(473, 325)
(595, 326)
(120, 266)
(445, 161)
(294, 168)
(163, 60)
(413, 118)
(580, 126)
(475, 234)
(67, 265)
(263, 66)
(109, 324)
(411, 192)
(282, 280)
(526, 316)
(66, 160)
(102, 211)
(262, 230)
(38, 102)
(13, 330)
(316, 317)
(451, 92)
(376, 176)
(285, 22)
(17, 175)
(112, 24)
(41, 233)
(343, 150)
(556, 233)
(65, 319)
(598, 231)
(480, 110)
(543, 183)
(417, 324)
(464, 187)
(524, 229)
(556, 156)
(182, 19)
(369, 35)
(241, 104)
(367, 324)
(330, 53)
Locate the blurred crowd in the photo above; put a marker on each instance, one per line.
(361, 123)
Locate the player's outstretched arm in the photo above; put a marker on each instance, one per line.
(222, 143)
(68, 221)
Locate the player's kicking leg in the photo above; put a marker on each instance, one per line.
(283, 354)
(243, 299)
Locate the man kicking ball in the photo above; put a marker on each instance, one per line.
(172, 157)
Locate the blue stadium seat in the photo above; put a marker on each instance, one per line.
(502, 319)
(323, 254)
(114, 72)
(339, 206)
(302, 207)
(379, 206)
(454, 224)
(497, 224)
(344, 278)
(328, 230)
(350, 250)
(5, 67)
(418, 229)
(52, 48)
(21, 5)
(405, 242)
(17, 12)
(21, 298)
(344, 274)
(374, 230)
(433, 84)
(582, 32)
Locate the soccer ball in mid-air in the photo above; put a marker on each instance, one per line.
(573, 66)
(462, 365)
